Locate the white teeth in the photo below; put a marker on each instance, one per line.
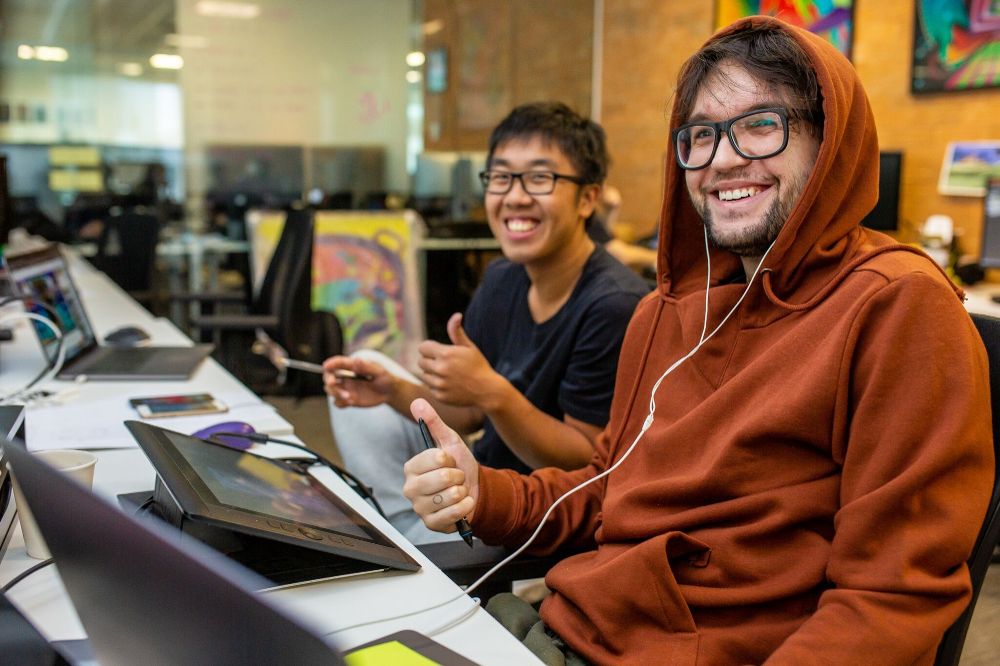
(742, 193)
(521, 225)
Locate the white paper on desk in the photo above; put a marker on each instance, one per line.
(99, 423)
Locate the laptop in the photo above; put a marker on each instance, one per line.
(145, 596)
(43, 275)
(11, 421)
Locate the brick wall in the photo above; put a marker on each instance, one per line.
(646, 41)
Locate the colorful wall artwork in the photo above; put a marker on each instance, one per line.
(968, 166)
(956, 45)
(832, 19)
(365, 272)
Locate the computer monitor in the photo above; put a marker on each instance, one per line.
(434, 173)
(885, 215)
(253, 175)
(990, 255)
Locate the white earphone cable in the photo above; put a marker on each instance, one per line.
(646, 424)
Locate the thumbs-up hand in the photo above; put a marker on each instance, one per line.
(442, 483)
(458, 373)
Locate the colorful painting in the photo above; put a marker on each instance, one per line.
(956, 45)
(365, 272)
(831, 19)
(968, 166)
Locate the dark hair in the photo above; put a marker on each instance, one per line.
(767, 53)
(579, 138)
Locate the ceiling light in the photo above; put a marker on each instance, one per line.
(413, 76)
(130, 68)
(166, 61)
(51, 53)
(227, 9)
(25, 52)
(415, 58)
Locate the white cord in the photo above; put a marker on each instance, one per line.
(60, 357)
(646, 424)
(708, 283)
(447, 625)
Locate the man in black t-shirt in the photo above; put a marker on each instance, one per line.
(532, 363)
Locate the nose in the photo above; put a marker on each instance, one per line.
(517, 196)
(726, 156)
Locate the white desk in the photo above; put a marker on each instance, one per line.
(328, 605)
(980, 298)
(194, 253)
(200, 251)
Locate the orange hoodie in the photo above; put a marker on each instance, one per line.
(815, 475)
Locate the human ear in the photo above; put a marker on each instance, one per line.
(587, 200)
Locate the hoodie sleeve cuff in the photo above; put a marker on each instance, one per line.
(496, 505)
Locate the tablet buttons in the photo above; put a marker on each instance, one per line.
(309, 534)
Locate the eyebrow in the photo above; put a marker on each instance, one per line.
(540, 162)
(770, 104)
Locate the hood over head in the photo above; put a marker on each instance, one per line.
(824, 225)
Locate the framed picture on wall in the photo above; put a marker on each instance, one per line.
(956, 46)
(968, 166)
(831, 19)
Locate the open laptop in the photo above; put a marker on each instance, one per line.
(11, 420)
(43, 275)
(146, 597)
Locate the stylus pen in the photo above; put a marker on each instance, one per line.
(318, 369)
(464, 529)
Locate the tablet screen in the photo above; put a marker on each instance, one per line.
(244, 481)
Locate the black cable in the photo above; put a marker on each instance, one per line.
(352, 481)
(24, 574)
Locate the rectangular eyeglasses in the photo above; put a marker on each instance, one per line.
(754, 135)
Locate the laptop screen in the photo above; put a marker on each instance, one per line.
(43, 275)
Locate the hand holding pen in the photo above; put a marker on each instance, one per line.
(464, 529)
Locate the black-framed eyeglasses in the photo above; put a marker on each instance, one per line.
(754, 135)
(533, 182)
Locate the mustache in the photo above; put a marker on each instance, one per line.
(742, 173)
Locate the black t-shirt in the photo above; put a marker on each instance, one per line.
(565, 365)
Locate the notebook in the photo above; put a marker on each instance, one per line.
(144, 596)
(43, 275)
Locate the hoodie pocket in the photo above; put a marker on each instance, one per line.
(630, 601)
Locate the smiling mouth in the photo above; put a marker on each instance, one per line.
(738, 193)
(521, 225)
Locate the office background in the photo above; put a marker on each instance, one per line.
(334, 75)
(308, 86)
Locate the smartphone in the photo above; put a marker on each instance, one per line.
(177, 405)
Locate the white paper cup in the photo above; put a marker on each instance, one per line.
(78, 465)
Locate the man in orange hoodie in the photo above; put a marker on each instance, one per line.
(799, 453)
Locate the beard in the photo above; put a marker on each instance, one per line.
(753, 240)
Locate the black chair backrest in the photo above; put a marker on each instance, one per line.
(138, 233)
(950, 649)
(286, 292)
(291, 258)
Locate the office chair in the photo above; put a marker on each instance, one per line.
(464, 566)
(281, 309)
(950, 649)
(126, 252)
